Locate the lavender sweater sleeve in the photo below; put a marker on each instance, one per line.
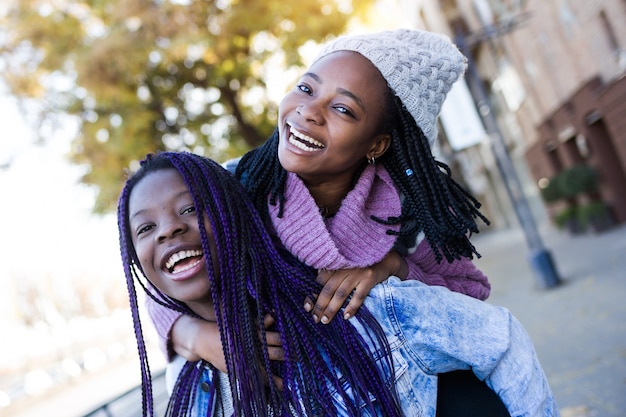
(459, 276)
(163, 319)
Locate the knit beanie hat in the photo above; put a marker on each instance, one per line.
(419, 66)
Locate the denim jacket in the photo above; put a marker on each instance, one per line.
(432, 330)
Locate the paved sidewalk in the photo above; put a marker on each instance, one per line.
(578, 327)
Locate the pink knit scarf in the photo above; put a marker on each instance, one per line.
(351, 238)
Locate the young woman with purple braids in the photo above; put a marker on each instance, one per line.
(196, 244)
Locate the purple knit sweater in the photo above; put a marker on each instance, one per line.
(351, 239)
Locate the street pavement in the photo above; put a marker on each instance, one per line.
(579, 326)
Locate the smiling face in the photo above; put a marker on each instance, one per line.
(329, 122)
(165, 233)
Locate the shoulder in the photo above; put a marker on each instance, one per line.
(231, 165)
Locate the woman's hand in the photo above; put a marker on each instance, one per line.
(340, 284)
(196, 339)
(274, 343)
(274, 347)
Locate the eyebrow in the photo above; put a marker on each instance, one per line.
(137, 213)
(347, 93)
(341, 91)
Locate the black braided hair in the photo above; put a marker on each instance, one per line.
(433, 202)
(263, 176)
(256, 277)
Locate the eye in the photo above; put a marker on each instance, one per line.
(144, 229)
(188, 210)
(304, 88)
(344, 110)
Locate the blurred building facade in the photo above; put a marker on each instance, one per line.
(554, 75)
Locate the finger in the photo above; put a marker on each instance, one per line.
(358, 297)
(327, 293)
(268, 321)
(308, 304)
(273, 339)
(276, 353)
(337, 301)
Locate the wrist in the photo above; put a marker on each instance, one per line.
(398, 266)
(207, 344)
(194, 338)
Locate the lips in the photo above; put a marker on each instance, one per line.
(183, 260)
(304, 142)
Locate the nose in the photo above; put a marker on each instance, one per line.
(311, 112)
(170, 230)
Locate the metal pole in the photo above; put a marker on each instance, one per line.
(539, 257)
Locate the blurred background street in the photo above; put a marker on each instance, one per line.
(578, 328)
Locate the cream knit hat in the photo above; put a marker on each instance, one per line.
(419, 66)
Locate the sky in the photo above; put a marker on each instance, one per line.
(45, 216)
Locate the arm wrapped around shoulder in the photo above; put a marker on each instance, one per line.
(460, 276)
(163, 319)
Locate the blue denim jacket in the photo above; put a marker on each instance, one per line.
(432, 330)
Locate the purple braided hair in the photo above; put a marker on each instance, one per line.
(258, 276)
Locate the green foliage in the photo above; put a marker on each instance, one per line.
(566, 217)
(551, 193)
(578, 179)
(594, 215)
(593, 212)
(569, 183)
(169, 75)
(592, 209)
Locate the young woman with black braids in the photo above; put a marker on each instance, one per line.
(349, 184)
(191, 238)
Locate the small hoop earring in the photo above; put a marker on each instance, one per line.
(371, 161)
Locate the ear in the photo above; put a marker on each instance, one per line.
(380, 146)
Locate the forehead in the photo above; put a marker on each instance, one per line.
(349, 66)
(156, 187)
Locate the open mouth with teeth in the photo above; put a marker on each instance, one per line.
(304, 142)
(183, 260)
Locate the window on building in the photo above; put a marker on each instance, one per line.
(553, 156)
(509, 84)
(612, 40)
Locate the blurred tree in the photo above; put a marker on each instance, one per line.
(143, 76)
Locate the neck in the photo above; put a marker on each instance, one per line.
(203, 309)
(328, 191)
(329, 196)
